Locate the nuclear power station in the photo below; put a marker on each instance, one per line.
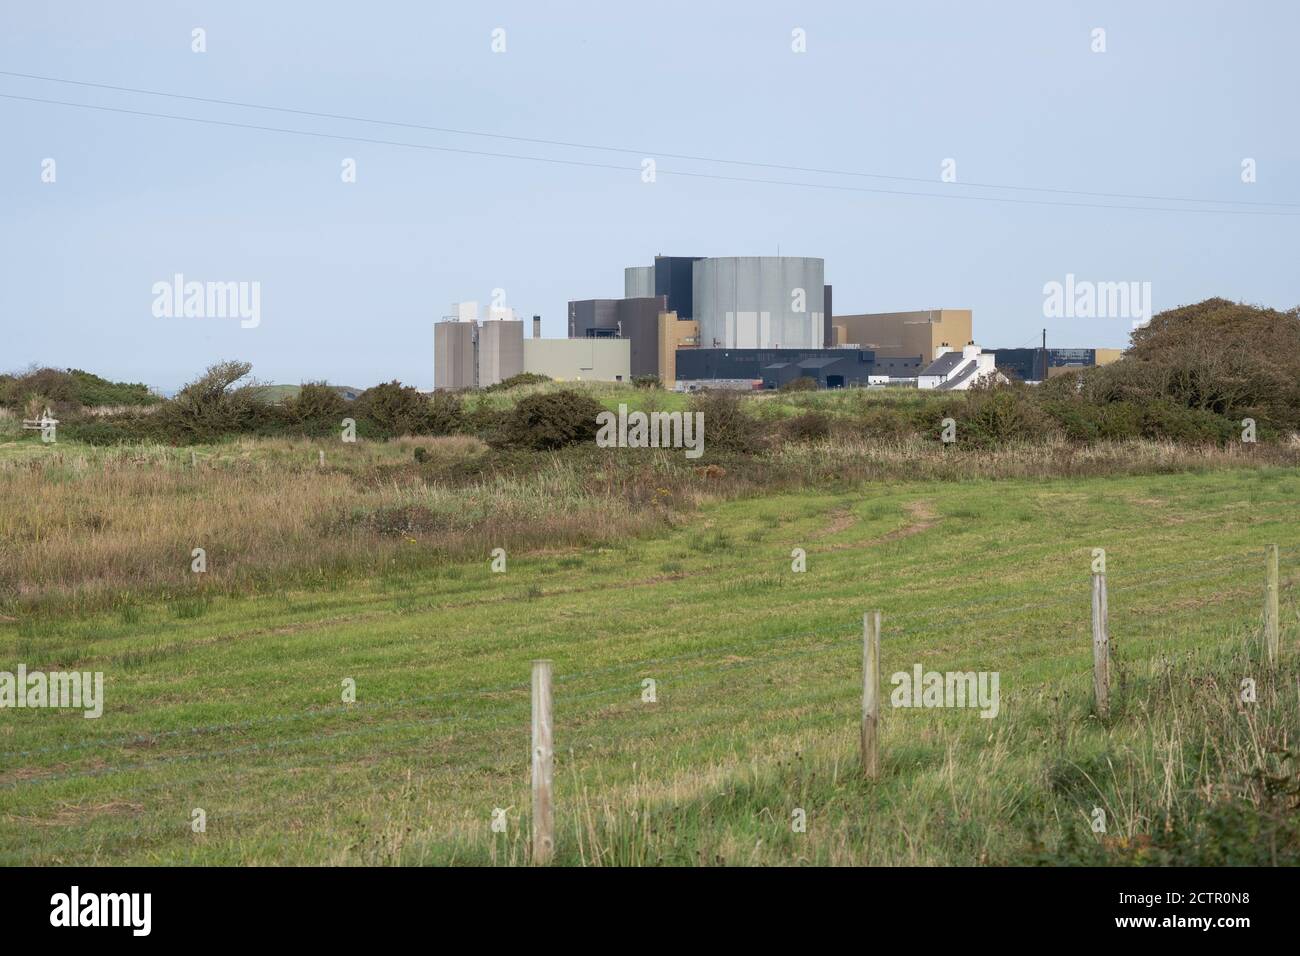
(737, 321)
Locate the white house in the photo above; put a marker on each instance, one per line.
(958, 371)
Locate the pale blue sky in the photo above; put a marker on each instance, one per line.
(353, 275)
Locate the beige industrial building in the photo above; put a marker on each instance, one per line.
(473, 354)
(903, 334)
(674, 334)
(585, 360)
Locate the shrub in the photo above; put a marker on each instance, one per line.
(446, 414)
(523, 378)
(484, 421)
(646, 381)
(92, 391)
(550, 420)
(71, 388)
(801, 384)
(727, 426)
(210, 406)
(316, 408)
(394, 409)
(885, 423)
(1216, 356)
(809, 426)
(1178, 423)
(996, 414)
(52, 386)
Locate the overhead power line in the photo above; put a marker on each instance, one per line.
(674, 172)
(569, 144)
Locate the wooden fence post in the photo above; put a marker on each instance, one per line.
(1100, 647)
(543, 765)
(322, 458)
(870, 694)
(1272, 637)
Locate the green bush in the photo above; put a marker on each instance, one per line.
(549, 420)
(393, 409)
(316, 408)
(446, 414)
(211, 406)
(523, 378)
(1191, 426)
(93, 391)
(885, 423)
(1225, 358)
(69, 389)
(727, 425)
(809, 426)
(646, 381)
(998, 414)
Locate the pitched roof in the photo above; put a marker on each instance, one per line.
(944, 364)
(960, 376)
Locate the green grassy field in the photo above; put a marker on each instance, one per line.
(234, 705)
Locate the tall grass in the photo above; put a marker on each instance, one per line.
(96, 527)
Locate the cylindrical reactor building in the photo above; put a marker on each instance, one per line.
(759, 302)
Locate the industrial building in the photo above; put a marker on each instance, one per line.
(1039, 364)
(455, 353)
(731, 303)
(473, 354)
(671, 276)
(579, 360)
(772, 368)
(634, 319)
(766, 319)
(903, 334)
(759, 302)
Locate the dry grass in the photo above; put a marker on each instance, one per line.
(103, 526)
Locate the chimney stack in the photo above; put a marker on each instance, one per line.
(537, 326)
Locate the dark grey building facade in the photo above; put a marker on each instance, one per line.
(674, 279)
(832, 368)
(634, 319)
(1033, 365)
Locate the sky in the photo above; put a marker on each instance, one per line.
(351, 276)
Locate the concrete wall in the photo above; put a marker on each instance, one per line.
(588, 360)
(748, 302)
(500, 351)
(907, 333)
(453, 355)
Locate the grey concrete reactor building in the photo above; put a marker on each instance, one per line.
(760, 302)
